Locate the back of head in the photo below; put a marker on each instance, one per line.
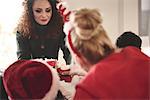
(129, 39)
(90, 38)
(28, 79)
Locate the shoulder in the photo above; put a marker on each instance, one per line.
(61, 34)
(135, 52)
(18, 34)
(21, 36)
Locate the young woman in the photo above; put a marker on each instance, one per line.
(40, 31)
(112, 74)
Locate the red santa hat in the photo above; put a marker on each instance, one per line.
(31, 79)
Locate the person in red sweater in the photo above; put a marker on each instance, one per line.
(112, 73)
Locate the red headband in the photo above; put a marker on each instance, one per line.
(71, 45)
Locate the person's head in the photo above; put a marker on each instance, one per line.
(41, 13)
(128, 39)
(88, 40)
(31, 79)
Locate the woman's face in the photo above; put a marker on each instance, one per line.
(42, 11)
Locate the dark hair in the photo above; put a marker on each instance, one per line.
(28, 26)
(3, 94)
(129, 39)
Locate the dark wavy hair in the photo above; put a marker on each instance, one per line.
(28, 27)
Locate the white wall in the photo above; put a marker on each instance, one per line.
(118, 15)
(131, 16)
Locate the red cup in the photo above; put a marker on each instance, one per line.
(64, 75)
(52, 63)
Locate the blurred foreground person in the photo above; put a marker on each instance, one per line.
(31, 79)
(112, 74)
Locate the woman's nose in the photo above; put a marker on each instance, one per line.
(44, 14)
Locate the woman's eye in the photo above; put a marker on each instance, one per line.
(38, 11)
(48, 10)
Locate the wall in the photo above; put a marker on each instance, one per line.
(118, 15)
(131, 15)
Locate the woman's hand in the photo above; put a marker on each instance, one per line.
(77, 71)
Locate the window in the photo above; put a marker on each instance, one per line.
(144, 26)
(10, 11)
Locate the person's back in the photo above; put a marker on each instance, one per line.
(123, 75)
(112, 73)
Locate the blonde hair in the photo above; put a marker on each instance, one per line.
(90, 38)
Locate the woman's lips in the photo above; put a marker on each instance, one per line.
(44, 20)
